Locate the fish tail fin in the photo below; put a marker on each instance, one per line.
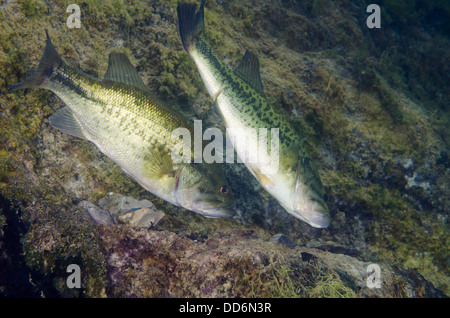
(190, 23)
(49, 62)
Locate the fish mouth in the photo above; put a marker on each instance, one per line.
(312, 213)
(214, 209)
(210, 210)
(219, 212)
(317, 216)
(308, 205)
(206, 207)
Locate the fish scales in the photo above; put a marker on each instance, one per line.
(120, 111)
(121, 117)
(239, 98)
(247, 108)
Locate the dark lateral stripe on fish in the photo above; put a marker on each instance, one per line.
(64, 80)
(133, 128)
(191, 27)
(239, 98)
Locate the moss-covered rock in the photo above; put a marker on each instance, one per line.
(375, 113)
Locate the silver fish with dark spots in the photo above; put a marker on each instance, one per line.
(243, 106)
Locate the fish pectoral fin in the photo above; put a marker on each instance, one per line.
(215, 106)
(64, 120)
(263, 179)
(294, 153)
(248, 70)
(159, 165)
(121, 70)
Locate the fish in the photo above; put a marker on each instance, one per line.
(240, 101)
(121, 117)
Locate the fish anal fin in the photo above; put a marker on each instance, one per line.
(215, 108)
(263, 179)
(248, 70)
(64, 120)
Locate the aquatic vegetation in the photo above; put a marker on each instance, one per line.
(375, 115)
(331, 286)
(32, 8)
(319, 5)
(294, 281)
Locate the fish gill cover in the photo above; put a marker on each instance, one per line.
(373, 104)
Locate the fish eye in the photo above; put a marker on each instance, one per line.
(223, 190)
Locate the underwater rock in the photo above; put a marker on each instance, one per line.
(117, 204)
(393, 282)
(125, 210)
(230, 263)
(100, 216)
(386, 179)
(143, 217)
(283, 240)
(308, 257)
(339, 250)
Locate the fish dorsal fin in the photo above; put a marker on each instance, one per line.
(121, 70)
(248, 70)
(64, 121)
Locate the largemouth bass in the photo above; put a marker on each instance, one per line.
(240, 100)
(121, 117)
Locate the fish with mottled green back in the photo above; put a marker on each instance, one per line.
(242, 105)
(133, 128)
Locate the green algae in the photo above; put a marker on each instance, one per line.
(368, 110)
(331, 286)
(66, 238)
(283, 278)
(32, 8)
